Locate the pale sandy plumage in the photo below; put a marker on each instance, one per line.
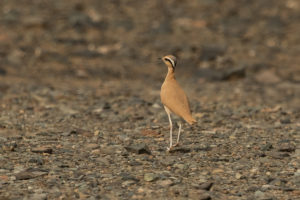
(173, 97)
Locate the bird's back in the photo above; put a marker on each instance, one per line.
(174, 98)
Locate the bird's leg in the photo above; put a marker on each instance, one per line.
(171, 128)
(178, 136)
(171, 132)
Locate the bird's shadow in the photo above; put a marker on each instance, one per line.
(180, 150)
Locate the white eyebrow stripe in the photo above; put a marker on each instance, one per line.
(171, 61)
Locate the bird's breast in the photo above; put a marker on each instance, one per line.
(172, 95)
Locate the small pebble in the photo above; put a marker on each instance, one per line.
(42, 149)
(149, 177)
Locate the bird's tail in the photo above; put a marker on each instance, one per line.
(191, 121)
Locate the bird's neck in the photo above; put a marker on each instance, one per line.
(170, 74)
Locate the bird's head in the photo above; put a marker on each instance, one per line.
(170, 61)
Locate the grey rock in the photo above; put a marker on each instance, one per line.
(138, 149)
(126, 176)
(181, 166)
(2, 71)
(149, 177)
(10, 146)
(37, 196)
(268, 187)
(286, 147)
(103, 161)
(266, 147)
(123, 138)
(24, 175)
(79, 20)
(211, 52)
(205, 186)
(3, 139)
(199, 194)
(278, 155)
(297, 173)
(168, 161)
(295, 180)
(285, 120)
(34, 21)
(42, 149)
(234, 73)
(12, 16)
(111, 149)
(165, 183)
(204, 196)
(15, 57)
(128, 183)
(92, 146)
(259, 194)
(66, 134)
(37, 160)
(267, 77)
(276, 182)
(297, 153)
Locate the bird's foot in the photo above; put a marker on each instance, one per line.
(176, 145)
(169, 148)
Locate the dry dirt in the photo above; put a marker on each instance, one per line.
(80, 112)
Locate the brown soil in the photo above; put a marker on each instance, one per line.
(80, 112)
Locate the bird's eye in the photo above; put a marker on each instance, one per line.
(170, 61)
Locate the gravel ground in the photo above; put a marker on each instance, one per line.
(80, 112)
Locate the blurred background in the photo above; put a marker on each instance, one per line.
(90, 53)
(214, 39)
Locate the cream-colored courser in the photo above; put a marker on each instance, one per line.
(173, 98)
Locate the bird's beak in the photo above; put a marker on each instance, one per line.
(158, 60)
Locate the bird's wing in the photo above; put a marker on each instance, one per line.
(173, 96)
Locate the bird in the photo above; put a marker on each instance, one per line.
(174, 98)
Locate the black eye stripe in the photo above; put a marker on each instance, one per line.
(171, 61)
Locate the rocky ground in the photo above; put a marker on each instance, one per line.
(80, 112)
